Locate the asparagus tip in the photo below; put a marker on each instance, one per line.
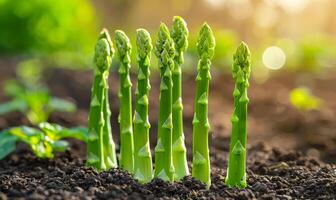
(243, 51)
(242, 61)
(102, 57)
(164, 47)
(104, 34)
(123, 43)
(180, 33)
(206, 42)
(144, 42)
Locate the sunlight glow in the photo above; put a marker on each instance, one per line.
(293, 5)
(274, 58)
(216, 3)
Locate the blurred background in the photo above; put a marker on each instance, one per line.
(293, 46)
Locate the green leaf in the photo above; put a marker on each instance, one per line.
(27, 134)
(50, 130)
(80, 133)
(7, 144)
(12, 106)
(57, 132)
(60, 146)
(61, 105)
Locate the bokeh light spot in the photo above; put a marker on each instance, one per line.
(274, 58)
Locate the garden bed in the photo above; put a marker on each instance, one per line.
(271, 173)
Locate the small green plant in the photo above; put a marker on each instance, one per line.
(179, 34)
(241, 68)
(165, 52)
(303, 99)
(143, 168)
(100, 146)
(30, 96)
(201, 162)
(44, 142)
(124, 49)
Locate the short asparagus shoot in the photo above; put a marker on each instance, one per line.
(124, 49)
(164, 51)
(201, 162)
(101, 148)
(143, 168)
(241, 67)
(179, 34)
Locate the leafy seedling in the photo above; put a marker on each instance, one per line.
(44, 141)
(31, 97)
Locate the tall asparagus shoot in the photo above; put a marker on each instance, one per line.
(164, 51)
(101, 148)
(241, 67)
(179, 34)
(201, 162)
(143, 168)
(124, 48)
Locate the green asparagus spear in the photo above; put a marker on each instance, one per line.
(201, 162)
(236, 173)
(124, 48)
(179, 34)
(101, 148)
(164, 51)
(143, 168)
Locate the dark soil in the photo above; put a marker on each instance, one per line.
(272, 174)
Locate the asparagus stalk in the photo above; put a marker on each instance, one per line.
(201, 162)
(164, 51)
(124, 48)
(179, 34)
(100, 146)
(142, 155)
(236, 173)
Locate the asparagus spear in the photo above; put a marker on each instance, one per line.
(101, 148)
(236, 175)
(179, 34)
(201, 162)
(143, 168)
(125, 116)
(164, 51)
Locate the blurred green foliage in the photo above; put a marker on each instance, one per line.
(316, 52)
(312, 53)
(64, 29)
(303, 99)
(30, 96)
(37, 104)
